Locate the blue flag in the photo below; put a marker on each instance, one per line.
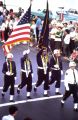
(44, 37)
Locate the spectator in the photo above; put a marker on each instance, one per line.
(38, 27)
(66, 42)
(12, 113)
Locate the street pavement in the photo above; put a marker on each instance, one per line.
(39, 107)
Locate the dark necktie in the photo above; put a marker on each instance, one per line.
(74, 77)
(26, 68)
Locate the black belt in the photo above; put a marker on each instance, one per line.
(72, 84)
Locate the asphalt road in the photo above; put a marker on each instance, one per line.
(39, 107)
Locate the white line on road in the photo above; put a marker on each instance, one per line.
(30, 100)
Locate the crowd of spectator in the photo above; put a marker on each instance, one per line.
(63, 35)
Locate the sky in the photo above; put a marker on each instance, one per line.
(41, 4)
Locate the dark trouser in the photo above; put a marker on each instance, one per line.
(76, 44)
(58, 45)
(42, 77)
(52, 44)
(66, 50)
(9, 81)
(37, 34)
(72, 90)
(72, 45)
(56, 76)
(26, 81)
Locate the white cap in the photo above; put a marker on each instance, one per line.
(72, 64)
(9, 55)
(65, 22)
(26, 51)
(60, 25)
(56, 51)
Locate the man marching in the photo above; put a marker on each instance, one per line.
(56, 70)
(9, 70)
(26, 73)
(71, 82)
(43, 70)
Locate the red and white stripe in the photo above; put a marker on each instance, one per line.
(20, 33)
(7, 49)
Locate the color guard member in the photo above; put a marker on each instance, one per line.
(43, 70)
(56, 70)
(9, 70)
(26, 73)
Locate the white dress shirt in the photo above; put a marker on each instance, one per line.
(3, 27)
(69, 77)
(53, 32)
(8, 117)
(72, 35)
(67, 39)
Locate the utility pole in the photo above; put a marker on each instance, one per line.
(4, 2)
(61, 15)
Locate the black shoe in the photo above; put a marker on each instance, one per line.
(28, 97)
(3, 94)
(11, 100)
(62, 104)
(57, 93)
(46, 95)
(76, 110)
(35, 89)
(18, 91)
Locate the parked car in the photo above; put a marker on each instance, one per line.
(41, 14)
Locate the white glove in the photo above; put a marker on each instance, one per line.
(8, 73)
(56, 66)
(32, 75)
(50, 74)
(15, 78)
(67, 88)
(61, 72)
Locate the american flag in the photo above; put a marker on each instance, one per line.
(20, 33)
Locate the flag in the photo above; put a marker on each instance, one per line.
(44, 37)
(20, 33)
(7, 49)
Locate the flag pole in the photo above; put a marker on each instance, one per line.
(30, 20)
(30, 2)
(43, 42)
